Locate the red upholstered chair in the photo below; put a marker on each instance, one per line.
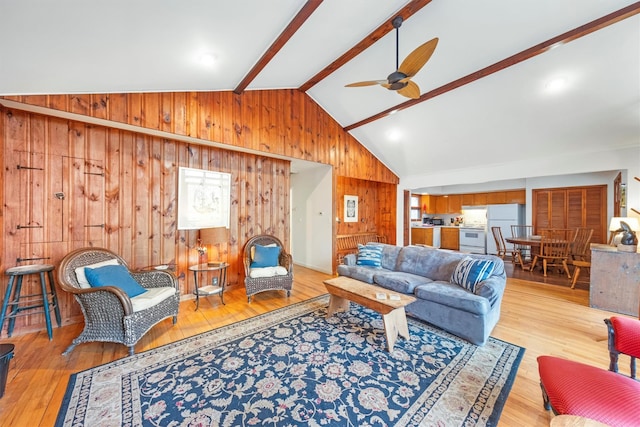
(624, 337)
(573, 388)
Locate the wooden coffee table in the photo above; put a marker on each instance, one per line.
(344, 289)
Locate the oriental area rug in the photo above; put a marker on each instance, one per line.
(292, 367)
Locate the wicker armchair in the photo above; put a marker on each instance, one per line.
(109, 314)
(260, 284)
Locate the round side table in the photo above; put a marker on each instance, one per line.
(214, 288)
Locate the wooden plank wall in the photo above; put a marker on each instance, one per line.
(136, 199)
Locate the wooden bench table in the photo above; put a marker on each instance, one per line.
(344, 289)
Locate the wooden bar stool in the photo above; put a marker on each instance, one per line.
(46, 299)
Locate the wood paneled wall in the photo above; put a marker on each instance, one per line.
(136, 197)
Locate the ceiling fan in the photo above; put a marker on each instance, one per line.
(400, 80)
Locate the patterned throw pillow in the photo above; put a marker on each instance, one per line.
(469, 272)
(369, 255)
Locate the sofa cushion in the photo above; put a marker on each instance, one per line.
(469, 272)
(399, 282)
(114, 275)
(451, 295)
(370, 255)
(428, 262)
(362, 273)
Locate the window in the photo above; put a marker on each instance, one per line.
(415, 207)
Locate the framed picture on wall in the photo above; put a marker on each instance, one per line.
(204, 198)
(350, 208)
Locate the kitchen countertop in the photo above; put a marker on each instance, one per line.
(437, 226)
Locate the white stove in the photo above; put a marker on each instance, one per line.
(473, 239)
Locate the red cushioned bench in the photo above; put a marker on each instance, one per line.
(573, 388)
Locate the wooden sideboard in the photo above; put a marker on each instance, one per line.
(615, 280)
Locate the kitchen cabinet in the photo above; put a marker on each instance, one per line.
(515, 196)
(450, 238)
(422, 236)
(455, 204)
(496, 198)
(442, 205)
(479, 199)
(467, 199)
(429, 202)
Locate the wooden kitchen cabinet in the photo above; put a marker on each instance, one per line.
(479, 199)
(496, 198)
(422, 236)
(467, 199)
(515, 196)
(450, 238)
(454, 204)
(442, 205)
(429, 202)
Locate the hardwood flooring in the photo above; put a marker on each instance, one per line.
(545, 318)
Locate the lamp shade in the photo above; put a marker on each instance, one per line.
(210, 236)
(633, 223)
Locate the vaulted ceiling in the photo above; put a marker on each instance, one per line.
(487, 93)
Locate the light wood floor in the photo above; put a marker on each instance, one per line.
(544, 318)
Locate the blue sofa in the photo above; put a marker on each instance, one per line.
(426, 273)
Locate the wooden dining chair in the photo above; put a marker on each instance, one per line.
(501, 247)
(579, 253)
(554, 250)
(521, 253)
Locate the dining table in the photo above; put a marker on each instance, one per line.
(533, 242)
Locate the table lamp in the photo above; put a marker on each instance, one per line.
(212, 238)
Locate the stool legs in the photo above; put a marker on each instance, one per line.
(13, 295)
(5, 302)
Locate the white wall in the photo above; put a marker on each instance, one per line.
(311, 218)
(555, 171)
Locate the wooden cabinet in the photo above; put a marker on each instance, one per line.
(479, 199)
(515, 196)
(450, 238)
(442, 205)
(570, 208)
(496, 198)
(429, 202)
(467, 199)
(454, 204)
(423, 236)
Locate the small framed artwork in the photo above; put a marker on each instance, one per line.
(350, 208)
(204, 198)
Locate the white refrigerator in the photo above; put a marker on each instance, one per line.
(503, 216)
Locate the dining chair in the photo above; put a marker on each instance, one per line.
(500, 245)
(554, 250)
(521, 252)
(579, 253)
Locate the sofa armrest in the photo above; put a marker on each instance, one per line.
(492, 289)
(349, 259)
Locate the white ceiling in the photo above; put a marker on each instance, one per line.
(76, 46)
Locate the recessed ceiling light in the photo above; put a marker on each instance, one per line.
(394, 135)
(207, 59)
(556, 84)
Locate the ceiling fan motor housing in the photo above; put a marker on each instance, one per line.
(394, 80)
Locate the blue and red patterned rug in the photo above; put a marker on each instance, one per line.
(294, 367)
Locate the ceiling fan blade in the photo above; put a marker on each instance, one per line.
(367, 83)
(416, 59)
(411, 90)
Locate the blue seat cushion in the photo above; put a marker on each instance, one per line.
(114, 275)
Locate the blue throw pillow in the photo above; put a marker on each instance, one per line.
(265, 256)
(370, 255)
(469, 272)
(114, 275)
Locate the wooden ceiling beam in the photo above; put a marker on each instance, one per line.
(411, 8)
(309, 7)
(538, 49)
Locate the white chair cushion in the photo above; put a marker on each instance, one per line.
(152, 297)
(82, 278)
(267, 272)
